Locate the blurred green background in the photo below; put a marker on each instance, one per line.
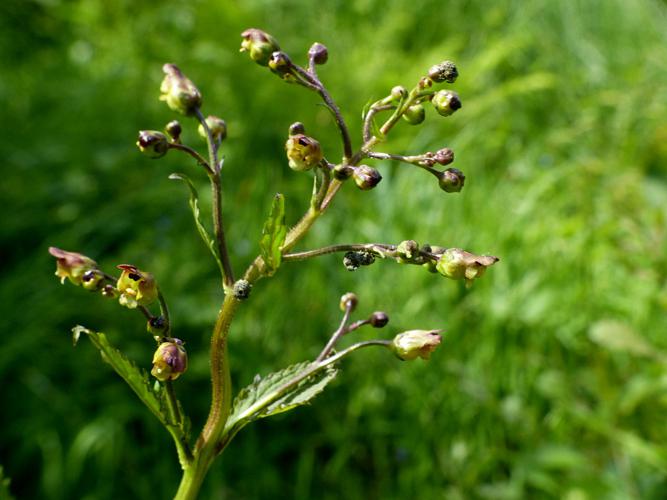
(551, 381)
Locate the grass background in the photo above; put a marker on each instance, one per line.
(551, 380)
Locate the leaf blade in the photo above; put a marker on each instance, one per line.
(274, 233)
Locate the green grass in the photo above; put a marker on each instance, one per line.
(550, 382)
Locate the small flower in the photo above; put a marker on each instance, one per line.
(303, 152)
(444, 72)
(170, 360)
(458, 264)
(217, 127)
(281, 65)
(259, 44)
(366, 177)
(349, 300)
(318, 53)
(179, 92)
(152, 143)
(451, 180)
(379, 319)
(446, 102)
(137, 288)
(71, 265)
(415, 114)
(92, 280)
(173, 128)
(415, 344)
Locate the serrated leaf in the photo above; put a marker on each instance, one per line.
(194, 205)
(135, 377)
(271, 395)
(273, 235)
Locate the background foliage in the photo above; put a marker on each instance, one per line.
(551, 381)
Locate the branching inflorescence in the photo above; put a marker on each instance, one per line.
(297, 384)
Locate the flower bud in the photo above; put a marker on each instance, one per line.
(407, 250)
(458, 264)
(137, 288)
(216, 126)
(242, 289)
(415, 114)
(91, 280)
(152, 143)
(173, 128)
(303, 152)
(71, 265)
(366, 177)
(259, 44)
(297, 128)
(179, 92)
(451, 180)
(343, 172)
(425, 83)
(281, 65)
(379, 319)
(318, 53)
(444, 72)
(348, 300)
(446, 102)
(169, 360)
(157, 326)
(399, 92)
(444, 156)
(353, 260)
(415, 344)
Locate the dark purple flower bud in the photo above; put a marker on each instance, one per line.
(152, 143)
(174, 130)
(451, 180)
(169, 360)
(318, 53)
(366, 177)
(379, 319)
(446, 102)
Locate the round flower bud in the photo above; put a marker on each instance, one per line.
(242, 289)
(348, 300)
(259, 44)
(366, 177)
(137, 288)
(169, 360)
(152, 143)
(451, 180)
(379, 319)
(179, 92)
(342, 172)
(444, 156)
(216, 126)
(303, 152)
(415, 114)
(458, 264)
(91, 280)
(157, 326)
(446, 102)
(399, 92)
(318, 53)
(173, 128)
(280, 64)
(72, 265)
(444, 72)
(297, 128)
(415, 344)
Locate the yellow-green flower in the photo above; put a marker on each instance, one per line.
(458, 264)
(415, 344)
(136, 288)
(169, 360)
(303, 152)
(179, 92)
(71, 265)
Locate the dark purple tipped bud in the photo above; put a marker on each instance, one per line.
(174, 130)
(152, 143)
(379, 319)
(259, 44)
(342, 172)
(446, 102)
(169, 360)
(297, 128)
(444, 72)
(280, 64)
(179, 92)
(157, 326)
(318, 53)
(366, 177)
(444, 156)
(451, 180)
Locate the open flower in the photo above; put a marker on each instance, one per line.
(72, 265)
(303, 152)
(415, 344)
(169, 360)
(458, 264)
(137, 288)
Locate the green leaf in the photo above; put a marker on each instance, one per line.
(135, 377)
(273, 235)
(194, 205)
(274, 394)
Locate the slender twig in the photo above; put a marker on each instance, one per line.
(350, 247)
(335, 337)
(368, 119)
(188, 150)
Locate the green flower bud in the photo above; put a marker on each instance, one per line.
(458, 264)
(349, 300)
(415, 344)
(399, 92)
(451, 180)
(260, 45)
(446, 102)
(179, 92)
(318, 53)
(415, 114)
(174, 130)
(297, 128)
(169, 360)
(137, 288)
(216, 125)
(92, 280)
(152, 143)
(157, 326)
(281, 65)
(72, 265)
(366, 177)
(379, 319)
(303, 152)
(407, 250)
(425, 83)
(444, 72)
(242, 289)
